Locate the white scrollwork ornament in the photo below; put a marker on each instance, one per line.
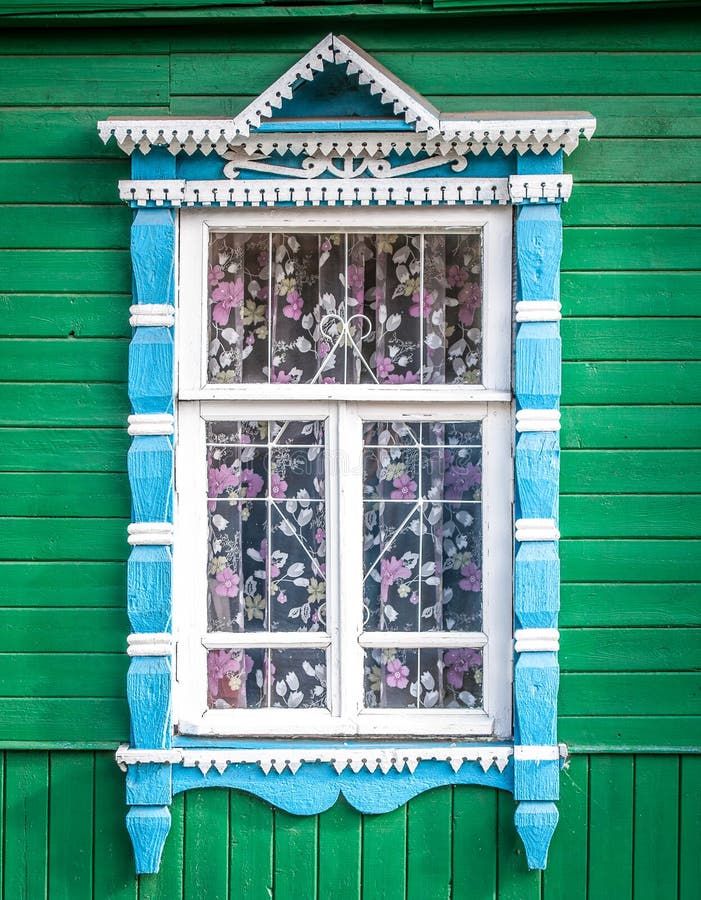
(346, 166)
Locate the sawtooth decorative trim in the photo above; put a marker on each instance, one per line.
(286, 758)
(327, 192)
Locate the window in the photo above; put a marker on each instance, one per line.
(343, 473)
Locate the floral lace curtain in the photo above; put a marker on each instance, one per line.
(345, 308)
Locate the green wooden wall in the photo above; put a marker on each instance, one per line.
(631, 481)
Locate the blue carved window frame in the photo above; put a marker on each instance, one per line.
(177, 163)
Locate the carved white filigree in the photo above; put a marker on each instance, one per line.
(346, 166)
(287, 758)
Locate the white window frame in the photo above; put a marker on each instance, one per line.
(345, 406)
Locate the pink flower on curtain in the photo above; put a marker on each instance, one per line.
(392, 569)
(405, 488)
(396, 674)
(220, 663)
(459, 479)
(278, 486)
(384, 366)
(228, 583)
(227, 295)
(409, 378)
(470, 299)
(215, 275)
(293, 310)
(356, 281)
(272, 570)
(252, 481)
(218, 481)
(281, 377)
(457, 276)
(472, 578)
(457, 662)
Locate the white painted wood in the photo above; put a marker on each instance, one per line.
(291, 758)
(216, 640)
(538, 420)
(536, 530)
(466, 133)
(151, 424)
(538, 311)
(152, 314)
(150, 644)
(409, 639)
(540, 188)
(141, 533)
(536, 640)
(495, 224)
(537, 751)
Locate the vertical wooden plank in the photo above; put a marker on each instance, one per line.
(474, 842)
(251, 838)
(690, 828)
(70, 845)
(340, 852)
(26, 825)
(2, 822)
(206, 844)
(514, 880)
(429, 847)
(610, 827)
(168, 884)
(656, 834)
(566, 874)
(384, 855)
(113, 864)
(295, 857)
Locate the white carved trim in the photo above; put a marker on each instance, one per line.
(151, 423)
(150, 644)
(536, 640)
(406, 102)
(151, 314)
(341, 758)
(538, 311)
(341, 192)
(535, 188)
(125, 756)
(536, 530)
(145, 533)
(538, 420)
(512, 132)
(538, 751)
(347, 166)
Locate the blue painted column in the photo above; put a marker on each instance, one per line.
(150, 467)
(537, 567)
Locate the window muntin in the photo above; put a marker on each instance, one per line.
(447, 673)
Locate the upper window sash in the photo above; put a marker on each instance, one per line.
(494, 223)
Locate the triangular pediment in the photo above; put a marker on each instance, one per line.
(337, 80)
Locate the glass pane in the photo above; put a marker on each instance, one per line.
(238, 290)
(391, 677)
(337, 308)
(426, 678)
(235, 679)
(452, 308)
(298, 678)
(309, 302)
(267, 526)
(422, 527)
